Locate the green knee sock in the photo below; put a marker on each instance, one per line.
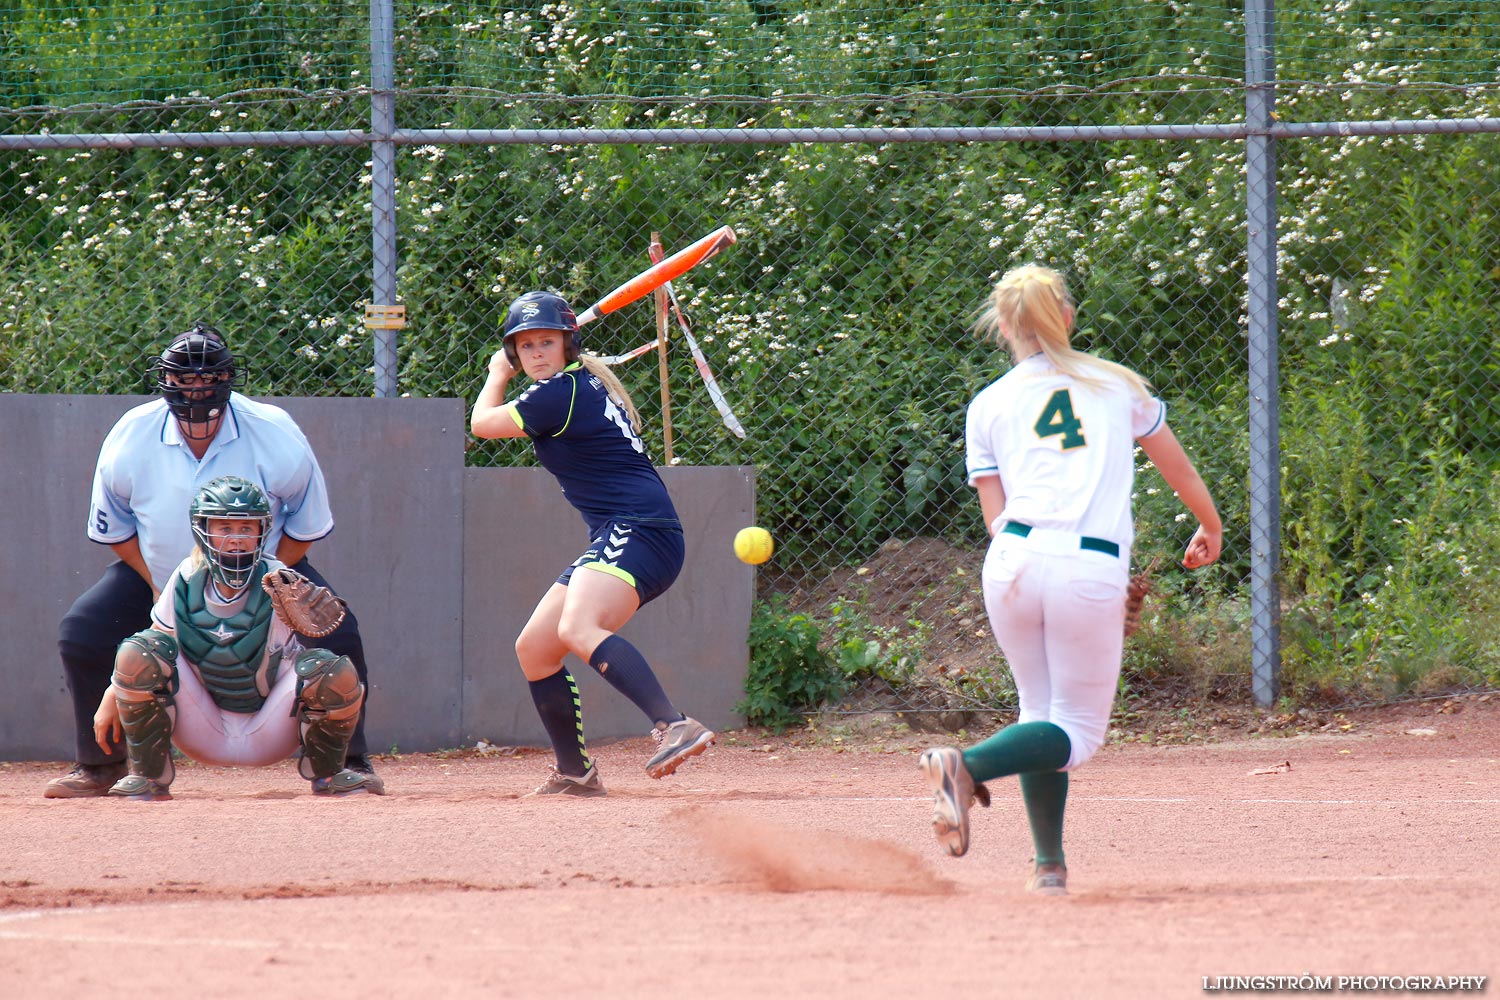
(1046, 795)
(1026, 746)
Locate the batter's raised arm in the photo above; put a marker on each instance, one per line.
(490, 419)
(1166, 453)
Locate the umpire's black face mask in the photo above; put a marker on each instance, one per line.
(197, 401)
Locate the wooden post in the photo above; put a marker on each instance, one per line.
(661, 358)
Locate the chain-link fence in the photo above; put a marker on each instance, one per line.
(277, 169)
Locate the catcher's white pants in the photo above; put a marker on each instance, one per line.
(1058, 612)
(210, 735)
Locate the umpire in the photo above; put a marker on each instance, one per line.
(152, 463)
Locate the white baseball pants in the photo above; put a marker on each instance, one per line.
(1058, 612)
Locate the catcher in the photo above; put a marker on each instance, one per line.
(221, 674)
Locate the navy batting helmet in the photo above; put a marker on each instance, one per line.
(199, 352)
(541, 311)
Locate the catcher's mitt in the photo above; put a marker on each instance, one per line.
(1135, 596)
(305, 607)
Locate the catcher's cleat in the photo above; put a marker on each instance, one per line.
(360, 764)
(676, 742)
(348, 782)
(953, 792)
(586, 785)
(140, 788)
(1048, 880)
(85, 781)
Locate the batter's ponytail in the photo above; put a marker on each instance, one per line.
(612, 385)
(1032, 309)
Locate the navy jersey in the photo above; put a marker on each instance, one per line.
(584, 439)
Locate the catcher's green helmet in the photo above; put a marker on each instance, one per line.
(231, 498)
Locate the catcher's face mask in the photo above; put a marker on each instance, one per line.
(232, 546)
(231, 518)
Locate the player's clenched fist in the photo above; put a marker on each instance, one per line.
(1203, 548)
(500, 366)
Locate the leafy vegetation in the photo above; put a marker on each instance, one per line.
(840, 324)
(790, 672)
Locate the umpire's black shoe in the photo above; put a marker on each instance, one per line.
(360, 764)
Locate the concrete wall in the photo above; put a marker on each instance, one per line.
(519, 534)
(421, 552)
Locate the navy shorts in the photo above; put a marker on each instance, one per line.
(648, 558)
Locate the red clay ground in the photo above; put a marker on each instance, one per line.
(769, 868)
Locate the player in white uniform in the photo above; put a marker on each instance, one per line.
(151, 465)
(1051, 452)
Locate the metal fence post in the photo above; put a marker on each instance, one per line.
(383, 323)
(1265, 465)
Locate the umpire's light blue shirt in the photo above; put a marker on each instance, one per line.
(147, 476)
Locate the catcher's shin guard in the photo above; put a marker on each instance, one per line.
(329, 697)
(145, 680)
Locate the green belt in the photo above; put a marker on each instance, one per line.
(1084, 542)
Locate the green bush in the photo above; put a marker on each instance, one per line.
(790, 672)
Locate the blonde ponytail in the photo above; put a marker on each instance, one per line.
(612, 385)
(1031, 309)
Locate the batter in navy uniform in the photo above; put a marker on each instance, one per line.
(586, 432)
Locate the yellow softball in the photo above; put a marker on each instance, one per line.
(753, 545)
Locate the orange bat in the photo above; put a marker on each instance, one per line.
(657, 275)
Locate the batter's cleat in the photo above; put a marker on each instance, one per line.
(1048, 880)
(584, 786)
(348, 782)
(85, 781)
(360, 764)
(140, 788)
(676, 742)
(953, 792)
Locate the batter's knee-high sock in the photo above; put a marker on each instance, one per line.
(1046, 795)
(557, 702)
(1026, 746)
(623, 666)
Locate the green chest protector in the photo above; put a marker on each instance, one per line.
(227, 651)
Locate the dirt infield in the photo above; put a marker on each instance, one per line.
(769, 868)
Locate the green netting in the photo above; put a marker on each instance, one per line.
(834, 48)
(59, 54)
(750, 53)
(1453, 42)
